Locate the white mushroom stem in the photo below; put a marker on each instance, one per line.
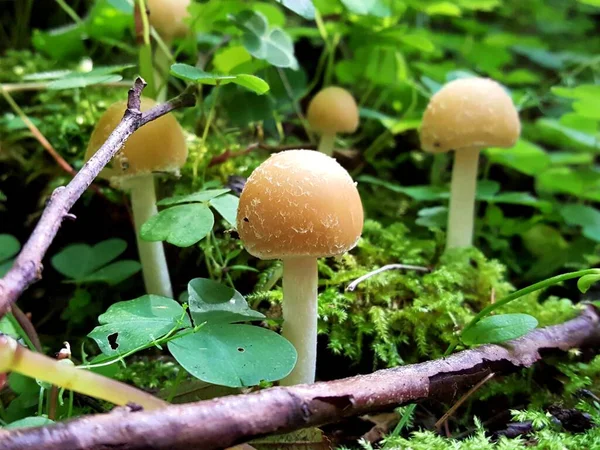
(327, 143)
(300, 279)
(462, 198)
(152, 254)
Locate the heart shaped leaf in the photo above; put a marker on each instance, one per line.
(131, 324)
(227, 206)
(270, 44)
(214, 302)
(77, 261)
(182, 225)
(234, 355)
(9, 247)
(196, 197)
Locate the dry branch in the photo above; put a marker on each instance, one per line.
(230, 420)
(27, 268)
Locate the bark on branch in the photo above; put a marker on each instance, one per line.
(27, 268)
(227, 421)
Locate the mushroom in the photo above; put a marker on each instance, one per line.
(333, 110)
(467, 115)
(158, 146)
(168, 18)
(297, 206)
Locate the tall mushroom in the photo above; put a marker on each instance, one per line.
(467, 115)
(158, 146)
(333, 110)
(297, 206)
(168, 17)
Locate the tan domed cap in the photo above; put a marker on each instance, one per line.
(168, 17)
(158, 146)
(469, 113)
(299, 203)
(333, 110)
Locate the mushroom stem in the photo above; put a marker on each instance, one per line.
(16, 358)
(162, 67)
(152, 254)
(327, 143)
(300, 279)
(462, 198)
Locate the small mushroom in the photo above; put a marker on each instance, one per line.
(297, 206)
(333, 110)
(467, 115)
(168, 18)
(158, 146)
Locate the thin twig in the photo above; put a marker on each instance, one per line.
(27, 268)
(359, 280)
(444, 418)
(37, 133)
(231, 420)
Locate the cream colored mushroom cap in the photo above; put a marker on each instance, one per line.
(158, 146)
(333, 110)
(470, 113)
(299, 203)
(167, 17)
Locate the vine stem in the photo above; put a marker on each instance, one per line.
(520, 293)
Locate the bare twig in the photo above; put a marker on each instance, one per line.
(37, 133)
(231, 420)
(27, 267)
(359, 280)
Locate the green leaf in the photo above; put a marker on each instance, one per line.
(62, 43)
(377, 8)
(214, 302)
(304, 8)
(559, 133)
(128, 325)
(9, 246)
(227, 206)
(582, 183)
(443, 8)
(29, 422)
(586, 281)
(270, 44)
(228, 58)
(419, 193)
(584, 216)
(82, 79)
(499, 328)
(113, 273)
(79, 260)
(182, 225)
(418, 41)
(196, 197)
(234, 355)
(193, 74)
(524, 157)
(542, 57)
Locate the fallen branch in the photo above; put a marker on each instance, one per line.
(226, 421)
(27, 267)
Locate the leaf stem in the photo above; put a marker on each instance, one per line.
(520, 293)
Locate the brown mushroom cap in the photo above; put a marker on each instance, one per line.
(158, 146)
(469, 113)
(167, 17)
(299, 203)
(333, 110)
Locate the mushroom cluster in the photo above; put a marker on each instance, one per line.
(298, 206)
(157, 147)
(467, 115)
